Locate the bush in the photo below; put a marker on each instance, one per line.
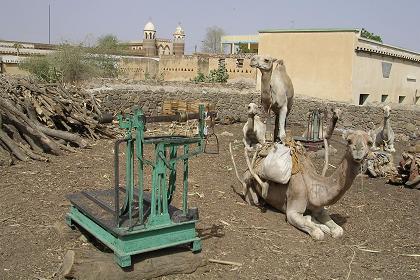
(218, 75)
(43, 68)
(200, 78)
(71, 64)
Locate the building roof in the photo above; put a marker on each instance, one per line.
(309, 30)
(149, 27)
(179, 30)
(228, 39)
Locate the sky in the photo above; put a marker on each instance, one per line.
(397, 22)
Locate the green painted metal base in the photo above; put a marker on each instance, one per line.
(132, 242)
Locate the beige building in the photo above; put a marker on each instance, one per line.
(152, 46)
(13, 52)
(339, 65)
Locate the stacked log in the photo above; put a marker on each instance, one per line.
(36, 120)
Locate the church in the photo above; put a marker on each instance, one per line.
(151, 46)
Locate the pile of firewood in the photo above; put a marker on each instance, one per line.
(36, 120)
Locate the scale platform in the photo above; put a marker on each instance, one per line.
(129, 218)
(94, 211)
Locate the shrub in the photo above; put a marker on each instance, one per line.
(218, 75)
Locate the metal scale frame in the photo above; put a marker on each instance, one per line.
(130, 220)
(314, 130)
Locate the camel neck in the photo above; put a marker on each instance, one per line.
(250, 122)
(386, 124)
(342, 179)
(265, 83)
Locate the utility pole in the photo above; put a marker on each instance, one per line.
(49, 24)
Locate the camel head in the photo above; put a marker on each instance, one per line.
(387, 111)
(252, 109)
(358, 144)
(263, 62)
(337, 113)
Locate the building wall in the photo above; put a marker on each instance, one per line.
(370, 77)
(12, 69)
(319, 63)
(231, 101)
(138, 68)
(178, 68)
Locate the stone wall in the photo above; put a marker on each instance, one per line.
(231, 100)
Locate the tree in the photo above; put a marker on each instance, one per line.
(243, 48)
(211, 42)
(108, 44)
(368, 35)
(71, 64)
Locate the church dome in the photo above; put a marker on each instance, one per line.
(149, 27)
(179, 30)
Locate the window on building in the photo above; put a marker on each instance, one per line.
(363, 98)
(240, 62)
(386, 69)
(401, 98)
(411, 79)
(384, 98)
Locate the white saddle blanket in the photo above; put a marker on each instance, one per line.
(277, 166)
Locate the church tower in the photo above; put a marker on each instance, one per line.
(179, 41)
(149, 39)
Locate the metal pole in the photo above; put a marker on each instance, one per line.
(49, 24)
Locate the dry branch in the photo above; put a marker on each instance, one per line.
(37, 119)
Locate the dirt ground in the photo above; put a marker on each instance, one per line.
(381, 222)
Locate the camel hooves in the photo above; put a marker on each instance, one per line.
(317, 234)
(337, 232)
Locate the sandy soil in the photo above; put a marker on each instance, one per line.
(381, 222)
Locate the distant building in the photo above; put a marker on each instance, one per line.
(13, 52)
(340, 65)
(231, 43)
(151, 46)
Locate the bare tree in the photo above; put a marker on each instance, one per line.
(211, 42)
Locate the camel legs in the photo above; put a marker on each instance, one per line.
(280, 124)
(322, 216)
(276, 128)
(296, 206)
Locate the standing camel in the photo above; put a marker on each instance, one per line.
(276, 91)
(307, 191)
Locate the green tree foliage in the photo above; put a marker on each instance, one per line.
(74, 63)
(211, 42)
(243, 48)
(200, 78)
(218, 75)
(43, 68)
(368, 35)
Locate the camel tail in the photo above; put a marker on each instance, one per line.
(234, 164)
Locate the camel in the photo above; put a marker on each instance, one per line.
(384, 136)
(254, 128)
(276, 91)
(309, 192)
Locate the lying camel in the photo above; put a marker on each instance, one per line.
(308, 191)
(384, 136)
(276, 91)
